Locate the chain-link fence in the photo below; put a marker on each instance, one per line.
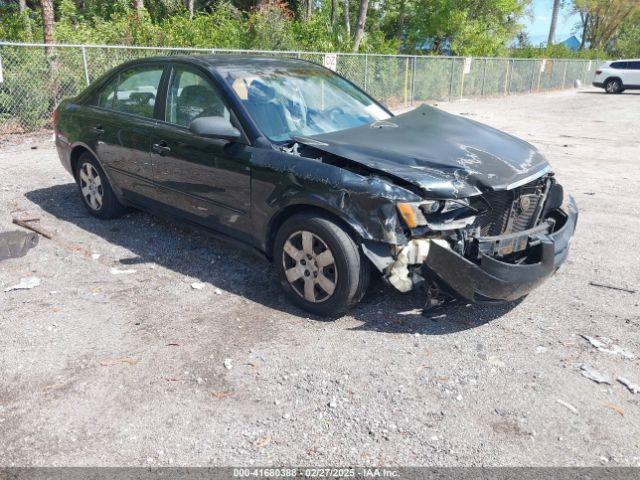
(35, 77)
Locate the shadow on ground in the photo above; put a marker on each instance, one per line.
(193, 253)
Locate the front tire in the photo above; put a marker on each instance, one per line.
(319, 265)
(95, 189)
(613, 86)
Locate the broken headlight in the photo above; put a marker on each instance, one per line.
(437, 214)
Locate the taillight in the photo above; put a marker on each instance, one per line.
(55, 120)
(598, 72)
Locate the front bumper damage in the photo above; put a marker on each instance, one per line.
(489, 277)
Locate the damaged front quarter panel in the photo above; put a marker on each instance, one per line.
(290, 179)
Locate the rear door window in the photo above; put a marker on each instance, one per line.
(619, 65)
(137, 90)
(633, 65)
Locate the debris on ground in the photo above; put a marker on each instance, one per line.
(197, 285)
(632, 387)
(16, 244)
(589, 372)
(567, 405)
(95, 256)
(217, 291)
(612, 287)
(263, 442)
(28, 224)
(222, 394)
(228, 363)
(118, 271)
(605, 345)
(115, 361)
(26, 283)
(333, 403)
(615, 408)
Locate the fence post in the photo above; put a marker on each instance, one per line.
(564, 75)
(453, 63)
(533, 75)
(413, 80)
(366, 70)
(484, 76)
(84, 64)
(510, 76)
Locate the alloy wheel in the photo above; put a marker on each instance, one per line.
(309, 266)
(91, 186)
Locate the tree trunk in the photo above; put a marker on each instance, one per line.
(22, 4)
(401, 17)
(190, 7)
(347, 21)
(585, 22)
(333, 12)
(362, 20)
(139, 6)
(48, 22)
(554, 22)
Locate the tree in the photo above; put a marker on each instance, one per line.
(48, 23)
(554, 21)
(601, 20)
(347, 19)
(362, 20)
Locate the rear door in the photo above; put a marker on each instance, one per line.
(207, 180)
(123, 124)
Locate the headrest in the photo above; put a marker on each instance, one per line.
(198, 95)
(260, 93)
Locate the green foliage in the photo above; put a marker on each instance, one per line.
(628, 45)
(556, 51)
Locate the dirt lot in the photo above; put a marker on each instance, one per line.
(129, 369)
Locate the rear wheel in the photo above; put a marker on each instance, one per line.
(95, 189)
(613, 86)
(319, 265)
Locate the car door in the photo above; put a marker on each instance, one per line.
(633, 74)
(123, 122)
(207, 180)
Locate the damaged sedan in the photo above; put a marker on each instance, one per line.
(296, 162)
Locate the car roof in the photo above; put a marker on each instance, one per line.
(225, 60)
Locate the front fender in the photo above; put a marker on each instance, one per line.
(281, 181)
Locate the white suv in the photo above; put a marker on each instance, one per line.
(618, 76)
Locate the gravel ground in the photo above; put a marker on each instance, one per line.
(98, 369)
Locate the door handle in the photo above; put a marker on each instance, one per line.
(98, 129)
(161, 148)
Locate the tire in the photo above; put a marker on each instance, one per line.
(95, 190)
(613, 85)
(300, 262)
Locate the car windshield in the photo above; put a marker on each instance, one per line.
(301, 100)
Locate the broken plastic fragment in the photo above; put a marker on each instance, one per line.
(633, 388)
(117, 271)
(26, 283)
(589, 372)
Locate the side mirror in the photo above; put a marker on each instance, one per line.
(215, 127)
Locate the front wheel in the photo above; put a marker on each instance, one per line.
(319, 265)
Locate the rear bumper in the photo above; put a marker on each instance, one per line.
(492, 280)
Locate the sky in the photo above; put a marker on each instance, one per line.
(537, 27)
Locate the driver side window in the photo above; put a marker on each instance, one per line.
(191, 96)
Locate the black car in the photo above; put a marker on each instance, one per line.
(300, 164)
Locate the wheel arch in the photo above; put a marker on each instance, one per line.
(613, 77)
(278, 219)
(77, 151)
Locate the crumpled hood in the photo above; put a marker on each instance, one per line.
(445, 155)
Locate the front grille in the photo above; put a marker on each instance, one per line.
(510, 211)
